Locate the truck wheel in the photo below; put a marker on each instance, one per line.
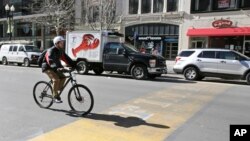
(98, 70)
(5, 61)
(139, 72)
(26, 62)
(83, 67)
(248, 78)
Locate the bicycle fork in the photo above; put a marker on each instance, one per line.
(76, 91)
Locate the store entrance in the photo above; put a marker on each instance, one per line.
(171, 50)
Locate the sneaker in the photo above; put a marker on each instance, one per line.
(57, 99)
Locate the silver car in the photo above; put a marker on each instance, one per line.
(196, 64)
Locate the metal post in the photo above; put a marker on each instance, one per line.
(9, 15)
(100, 16)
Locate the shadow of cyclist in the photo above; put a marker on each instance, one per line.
(125, 122)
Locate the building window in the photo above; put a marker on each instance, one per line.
(1, 30)
(24, 29)
(222, 4)
(133, 6)
(200, 5)
(172, 5)
(244, 4)
(146, 6)
(158, 6)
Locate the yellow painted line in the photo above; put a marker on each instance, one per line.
(150, 118)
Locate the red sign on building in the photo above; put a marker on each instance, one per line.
(222, 23)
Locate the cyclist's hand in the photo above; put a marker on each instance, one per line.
(63, 69)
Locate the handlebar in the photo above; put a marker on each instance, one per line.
(64, 70)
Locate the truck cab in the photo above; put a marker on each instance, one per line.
(122, 57)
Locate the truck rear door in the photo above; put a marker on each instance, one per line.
(113, 57)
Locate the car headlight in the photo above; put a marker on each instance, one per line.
(152, 63)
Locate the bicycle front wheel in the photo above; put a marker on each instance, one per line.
(80, 99)
(42, 93)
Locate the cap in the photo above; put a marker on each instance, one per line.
(58, 39)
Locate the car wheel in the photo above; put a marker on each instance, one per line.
(191, 73)
(139, 72)
(26, 62)
(82, 67)
(248, 78)
(5, 61)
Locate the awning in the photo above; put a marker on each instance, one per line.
(237, 31)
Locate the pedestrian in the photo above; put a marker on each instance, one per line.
(53, 68)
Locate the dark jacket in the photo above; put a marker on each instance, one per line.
(53, 59)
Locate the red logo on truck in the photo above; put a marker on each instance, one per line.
(88, 42)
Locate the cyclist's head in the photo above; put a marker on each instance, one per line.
(58, 39)
(59, 42)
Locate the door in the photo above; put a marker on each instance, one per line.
(207, 62)
(21, 54)
(171, 50)
(13, 54)
(229, 63)
(197, 44)
(247, 48)
(114, 58)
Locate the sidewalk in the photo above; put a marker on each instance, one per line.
(170, 65)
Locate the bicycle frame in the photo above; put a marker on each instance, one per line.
(69, 79)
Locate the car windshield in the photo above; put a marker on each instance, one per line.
(31, 49)
(130, 48)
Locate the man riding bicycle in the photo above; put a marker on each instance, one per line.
(53, 68)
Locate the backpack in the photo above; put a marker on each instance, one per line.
(41, 58)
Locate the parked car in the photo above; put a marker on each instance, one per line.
(19, 53)
(196, 64)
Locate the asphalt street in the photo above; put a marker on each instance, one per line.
(168, 108)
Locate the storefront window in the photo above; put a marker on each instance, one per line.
(172, 5)
(158, 6)
(133, 6)
(146, 6)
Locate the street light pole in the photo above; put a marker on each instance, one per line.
(9, 14)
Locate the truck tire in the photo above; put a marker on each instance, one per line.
(98, 70)
(139, 72)
(82, 67)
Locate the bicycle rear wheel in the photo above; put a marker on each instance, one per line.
(42, 93)
(80, 99)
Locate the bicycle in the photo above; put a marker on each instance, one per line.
(78, 93)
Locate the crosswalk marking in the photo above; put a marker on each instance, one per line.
(153, 117)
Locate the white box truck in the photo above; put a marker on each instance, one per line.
(103, 51)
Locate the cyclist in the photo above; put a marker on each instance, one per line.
(54, 69)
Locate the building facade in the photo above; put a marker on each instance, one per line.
(153, 24)
(218, 24)
(181, 24)
(166, 25)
